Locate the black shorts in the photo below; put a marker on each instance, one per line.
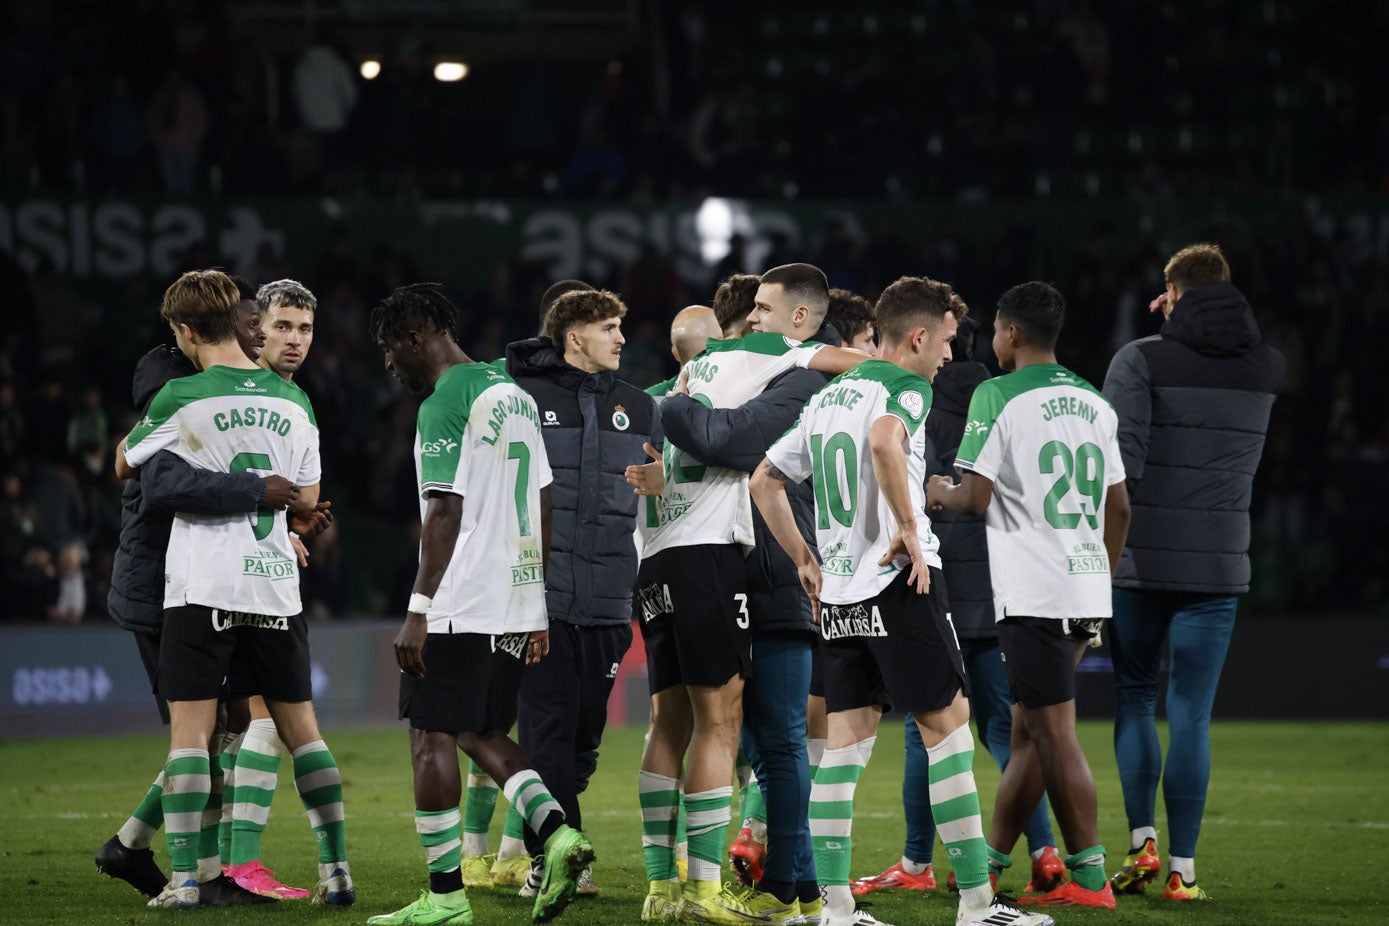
(147, 642)
(470, 683)
(1039, 655)
(254, 654)
(693, 606)
(898, 650)
(817, 670)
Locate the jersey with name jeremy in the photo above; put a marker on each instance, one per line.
(232, 420)
(478, 436)
(710, 504)
(1048, 440)
(854, 524)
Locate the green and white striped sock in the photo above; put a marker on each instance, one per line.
(533, 801)
(682, 837)
(1087, 868)
(832, 818)
(231, 744)
(706, 825)
(187, 780)
(209, 853)
(148, 817)
(513, 843)
(955, 808)
(660, 798)
(257, 773)
(814, 751)
(478, 808)
(319, 783)
(439, 834)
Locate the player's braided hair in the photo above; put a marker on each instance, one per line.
(415, 306)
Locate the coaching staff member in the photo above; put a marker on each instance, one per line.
(1193, 404)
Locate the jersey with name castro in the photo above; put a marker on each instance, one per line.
(854, 524)
(710, 504)
(232, 420)
(478, 436)
(1048, 440)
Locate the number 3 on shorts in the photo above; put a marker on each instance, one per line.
(744, 619)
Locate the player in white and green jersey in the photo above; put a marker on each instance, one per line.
(1040, 457)
(886, 635)
(692, 594)
(477, 614)
(232, 595)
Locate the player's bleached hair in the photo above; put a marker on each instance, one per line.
(289, 293)
(806, 284)
(733, 301)
(205, 301)
(414, 307)
(1197, 265)
(580, 307)
(1037, 309)
(849, 313)
(913, 302)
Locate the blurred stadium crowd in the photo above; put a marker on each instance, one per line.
(934, 100)
(945, 98)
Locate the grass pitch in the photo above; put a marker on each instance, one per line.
(1296, 831)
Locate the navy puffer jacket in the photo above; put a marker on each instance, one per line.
(1193, 403)
(594, 426)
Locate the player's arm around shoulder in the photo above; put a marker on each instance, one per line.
(835, 360)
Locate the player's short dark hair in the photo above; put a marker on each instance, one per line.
(244, 287)
(414, 307)
(289, 293)
(559, 289)
(734, 298)
(849, 313)
(578, 308)
(1037, 309)
(805, 283)
(915, 301)
(205, 301)
(1197, 265)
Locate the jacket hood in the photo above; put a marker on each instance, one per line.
(828, 334)
(156, 368)
(954, 385)
(538, 357)
(1214, 320)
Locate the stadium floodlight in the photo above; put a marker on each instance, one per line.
(449, 71)
(370, 69)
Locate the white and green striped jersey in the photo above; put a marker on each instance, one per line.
(478, 436)
(1049, 443)
(232, 420)
(710, 504)
(829, 444)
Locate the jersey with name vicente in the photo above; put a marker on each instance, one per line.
(478, 436)
(230, 421)
(1048, 440)
(829, 444)
(710, 504)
